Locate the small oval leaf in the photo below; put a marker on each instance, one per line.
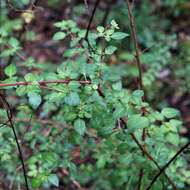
(59, 36)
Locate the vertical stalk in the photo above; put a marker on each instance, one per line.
(134, 36)
(139, 66)
(10, 119)
(91, 19)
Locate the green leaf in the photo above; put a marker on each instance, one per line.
(100, 29)
(39, 180)
(169, 112)
(30, 77)
(14, 42)
(74, 85)
(59, 36)
(69, 52)
(95, 86)
(114, 24)
(36, 182)
(175, 123)
(158, 116)
(62, 24)
(21, 90)
(138, 93)
(10, 70)
(54, 180)
(79, 126)
(101, 161)
(3, 32)
(73, 99)
(172, 138)
(119, 112)
(136, 97)
(110, 50)
(117, 86)
(137, 122)
(34, 99)
(109, 32)
(119, 35)
(32, 173)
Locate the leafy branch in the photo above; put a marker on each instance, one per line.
(149, 156)
(167, 165)
(44, 83)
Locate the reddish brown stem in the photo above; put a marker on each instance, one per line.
(44, 83)
(139, 66)
(134, 36)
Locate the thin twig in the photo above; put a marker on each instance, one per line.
(4, 124)
(140, 179)
(44, 83)
(91, 19)
(17, 53)
(149, 156)
(145, 152)
(139, 66)
(134, 36)
(10, 118)
(88, 27)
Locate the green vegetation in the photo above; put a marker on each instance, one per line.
(97, 109)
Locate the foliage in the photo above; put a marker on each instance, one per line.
(86, 125)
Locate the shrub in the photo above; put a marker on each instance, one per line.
(88, 123)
